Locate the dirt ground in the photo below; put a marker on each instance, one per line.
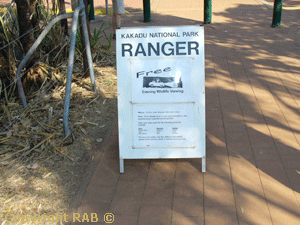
(41, 180)
(40, 170)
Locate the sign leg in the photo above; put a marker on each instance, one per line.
(121, 165)
(204, 164)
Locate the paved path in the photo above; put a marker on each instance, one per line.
(252, 124)
(286, 3)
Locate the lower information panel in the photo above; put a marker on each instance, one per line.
(164, 125)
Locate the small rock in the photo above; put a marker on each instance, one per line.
(4, 163)
(32, 166)
(99, 140)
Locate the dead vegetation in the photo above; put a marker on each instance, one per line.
(39, 173)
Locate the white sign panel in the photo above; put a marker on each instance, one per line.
(161, 92)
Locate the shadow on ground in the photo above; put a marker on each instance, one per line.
(252, 125)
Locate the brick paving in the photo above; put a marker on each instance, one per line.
(252, 126)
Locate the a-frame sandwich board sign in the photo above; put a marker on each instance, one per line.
(161, 93)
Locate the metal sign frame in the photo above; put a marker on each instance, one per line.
(161, 93)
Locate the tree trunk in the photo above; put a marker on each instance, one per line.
(85, 61)
(4, 72)
(25, 25)
(33, 13)
(28, 21)
(62, 10)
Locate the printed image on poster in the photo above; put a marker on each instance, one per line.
(154, 80)
(162, 82)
